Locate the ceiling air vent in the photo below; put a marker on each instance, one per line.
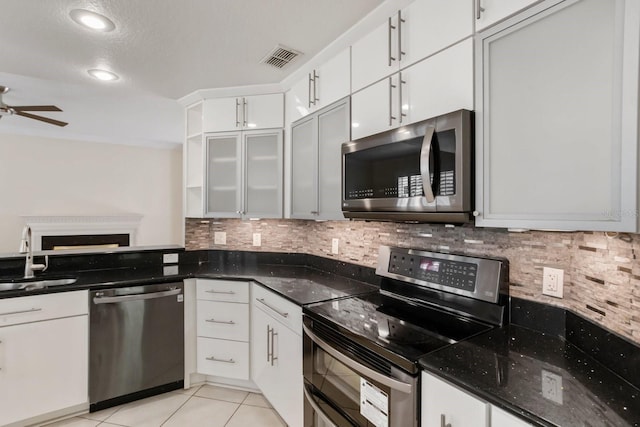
(280, 56)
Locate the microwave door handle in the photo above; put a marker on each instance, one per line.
(425, 152)
(317, 409)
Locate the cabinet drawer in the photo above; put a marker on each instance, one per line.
(34, 308)
(222, 290)
(223, 358)
(286, 312)
(224, 320)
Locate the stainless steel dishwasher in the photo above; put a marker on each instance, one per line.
(136, 343)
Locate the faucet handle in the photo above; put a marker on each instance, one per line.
(41, 267)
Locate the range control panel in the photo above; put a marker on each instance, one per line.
(443, 272)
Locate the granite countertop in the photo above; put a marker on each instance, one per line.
(299, 284)
(540, 377)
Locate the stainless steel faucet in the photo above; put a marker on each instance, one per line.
(25, 248)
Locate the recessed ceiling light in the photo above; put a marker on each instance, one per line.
(103, 75)
(92, 20)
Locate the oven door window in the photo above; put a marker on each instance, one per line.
(341, 388)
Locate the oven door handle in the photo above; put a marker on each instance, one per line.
(317, 409)
(425, 152)
(376, 376)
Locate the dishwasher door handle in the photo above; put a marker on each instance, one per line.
(136, 297)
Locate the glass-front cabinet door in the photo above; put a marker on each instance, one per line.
(224, 176)
(304, 174)
(263, 174)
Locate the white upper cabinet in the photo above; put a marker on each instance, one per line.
(557, 118)
(437, 85)
(249, 112)
(419, 30)
(488, 12)
(322, 86)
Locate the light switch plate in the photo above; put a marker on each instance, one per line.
(219, 238)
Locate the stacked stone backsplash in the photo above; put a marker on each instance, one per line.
(602, 272)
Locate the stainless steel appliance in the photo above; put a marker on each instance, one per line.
(136, 343)
(361, 353)
(420, 172)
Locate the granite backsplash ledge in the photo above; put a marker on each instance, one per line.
(602, 272)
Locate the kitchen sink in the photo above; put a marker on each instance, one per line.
(34, 283)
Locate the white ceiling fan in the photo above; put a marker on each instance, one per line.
(21, 110)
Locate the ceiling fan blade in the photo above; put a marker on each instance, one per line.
(42, 119)
(35, 108)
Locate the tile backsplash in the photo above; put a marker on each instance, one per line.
(601, 279)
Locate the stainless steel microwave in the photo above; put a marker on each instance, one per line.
(422, 172)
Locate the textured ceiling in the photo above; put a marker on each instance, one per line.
(161, 49)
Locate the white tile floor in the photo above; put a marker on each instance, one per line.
(199, 406)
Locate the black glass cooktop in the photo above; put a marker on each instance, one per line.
(396, 329)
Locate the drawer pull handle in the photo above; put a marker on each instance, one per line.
(229, 322)
(221, 292)
(31, 310)
(213, 359)
(285, 315)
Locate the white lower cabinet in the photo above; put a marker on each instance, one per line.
(446, 405)
(222, 328)
(500, 418)
(43, 357)
(276, 353)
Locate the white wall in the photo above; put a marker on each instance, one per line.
(43, 176)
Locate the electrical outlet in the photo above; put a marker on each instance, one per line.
(169, 258)
(219, 238)
(552, 386)
(553, 282)
(257, 239)
(335, 243)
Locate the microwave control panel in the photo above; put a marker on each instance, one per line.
(443, 272)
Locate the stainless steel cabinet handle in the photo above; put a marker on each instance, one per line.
(317, 409)
(31, 310)
(479, 9)
(314, 212)
(309, 90)
(400, 21)
(273, 358)
(245, 112)
(213, 359)
(390, 28)
(400, 113)
(424, 164)
(136, 297)
(315, 87)
(443, 422)
(222, 292)
(391, 116)
(225, 322)
(272, 308)
(237, 112)
(268, 342)
(358, 367)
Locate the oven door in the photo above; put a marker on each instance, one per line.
(342, 389)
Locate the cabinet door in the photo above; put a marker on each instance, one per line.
(263, 111)
(556, 130)
(43, 367)
(440, 84)
(221, 114)
(223, 191)
(304, 172)
(277, 366)
(432, 25)
(500, 418)
(375, 109)
(333, 130)
(333, 79)
(263, 175)
(495, 10)
(374, 56)
(297, 99)
(458, 408)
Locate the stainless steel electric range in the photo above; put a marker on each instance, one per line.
(361, 353)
